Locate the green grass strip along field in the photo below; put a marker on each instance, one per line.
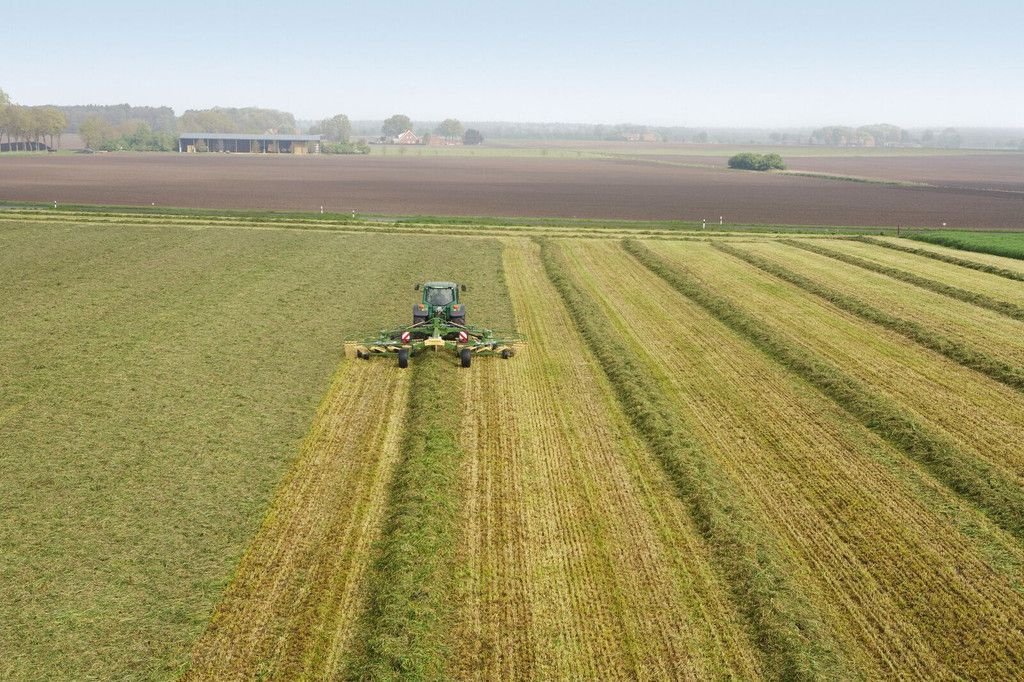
(1000, 371)
(782, 624)
(1008, 244)
(988, 489)
(404, 630)
(952, 260)
(1009, 309)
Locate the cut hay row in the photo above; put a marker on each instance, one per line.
(781, 623)
(576, 560)
(979, 288)
(403, 631)
(994, 335)
(291, 608)
(1010, 374)
(382, 226)
(991, 480)
(886, 567)
(944, 256)
(355, 225)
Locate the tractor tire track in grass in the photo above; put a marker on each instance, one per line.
(291, 608)
(785, 628)
(1011, 375)
(980, 295)
(935, 254)
(903, 591)
(982, 483)
(576, 560)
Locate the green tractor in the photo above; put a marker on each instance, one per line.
(438, 321)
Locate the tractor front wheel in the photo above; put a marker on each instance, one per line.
(466, 356)
(403, 357)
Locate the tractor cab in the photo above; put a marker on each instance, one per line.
(440, 299)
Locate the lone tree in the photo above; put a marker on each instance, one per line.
(472, 136)
(336, 129)
(450, 129)
(396, 125)
(758, 162)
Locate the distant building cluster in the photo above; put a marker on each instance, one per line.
(408, 137)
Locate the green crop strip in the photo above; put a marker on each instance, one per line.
(1006, 244)
(952, 260)
(404, 630)
(982, 362)
(1002, 307)
(782, 624)
(976, 481)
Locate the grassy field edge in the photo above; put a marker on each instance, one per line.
(981, 243)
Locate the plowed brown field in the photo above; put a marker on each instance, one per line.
(495, 186)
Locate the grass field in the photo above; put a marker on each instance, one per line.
(1010, 245)
(728, 455)
(156, 382)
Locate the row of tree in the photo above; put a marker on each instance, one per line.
(883, 135)
(29, 127)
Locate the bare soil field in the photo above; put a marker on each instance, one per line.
(495, 186)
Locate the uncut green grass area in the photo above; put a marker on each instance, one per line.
(155, 383)
(1006, 244)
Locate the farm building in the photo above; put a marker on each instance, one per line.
(248, 143)
(408, 137)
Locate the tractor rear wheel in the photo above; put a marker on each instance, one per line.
(403, 357)
(460, 320)
(466, 356)
(417, 319)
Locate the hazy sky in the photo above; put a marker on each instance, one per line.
(672, 63)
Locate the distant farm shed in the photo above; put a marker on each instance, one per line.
(248, 143)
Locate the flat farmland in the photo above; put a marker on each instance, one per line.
(738, 457)
(594, 185)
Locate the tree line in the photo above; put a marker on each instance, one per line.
(27, 127)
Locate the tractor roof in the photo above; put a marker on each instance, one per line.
(440, 285)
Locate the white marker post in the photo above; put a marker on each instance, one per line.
(720, 218)
(703, 223)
